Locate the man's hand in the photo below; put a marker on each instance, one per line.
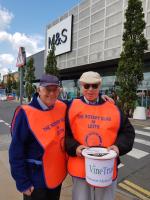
(107, 98)
(79, 150)
(29, 191)
(115, 148)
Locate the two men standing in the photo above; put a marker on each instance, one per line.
(37, 156)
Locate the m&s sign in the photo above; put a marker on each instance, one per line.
(60, 35)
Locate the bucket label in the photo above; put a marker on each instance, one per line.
(101, 171)
(94, 181)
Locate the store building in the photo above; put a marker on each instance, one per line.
(38, 63)
(89, 37)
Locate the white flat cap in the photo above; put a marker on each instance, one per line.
(90, 77)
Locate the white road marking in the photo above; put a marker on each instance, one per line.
(2, 121)
(147, 128)
(6, 124)
(142, 133)
(142, 141)
(120, 165)
(136, 153)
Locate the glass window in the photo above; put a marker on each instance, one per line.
(108, 83)
(148, 7)
(109, 2)
(113, 42)
(97, 26)
(148, 18)
(83, 33)
(62, 57)
(98, 6)
(97, 47)
(84, 5)
(148, 31)
(83, 41)
(74, 36)
(99, 36)
(74, 44)
(96, 57)
(69, 90)
(71, 63)
(75, 27)
(112, 53)
(83, 51)
(148, 44)
(72, 54)
(97, 16)
(116, 7)
(84, 23)
(62, 65)
(114, 19)
(82, 60)
(115, 30)
(84, 13)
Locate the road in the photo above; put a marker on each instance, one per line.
(7, 109)
(134, 170)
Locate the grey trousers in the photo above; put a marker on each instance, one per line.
(83, 191)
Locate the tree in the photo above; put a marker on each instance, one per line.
(9, 83)
(29, 78)
(51, 64)
(129, 72)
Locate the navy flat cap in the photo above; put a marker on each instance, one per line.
(48, 79)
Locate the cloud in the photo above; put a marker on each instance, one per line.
(32, 43)
(6, 60)
(3, 71)
(4, 36)
(5, 18)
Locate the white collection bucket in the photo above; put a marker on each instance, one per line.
(99, 165)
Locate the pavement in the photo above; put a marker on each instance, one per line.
(7, 185)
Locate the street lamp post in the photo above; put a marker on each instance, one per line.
(21, 62)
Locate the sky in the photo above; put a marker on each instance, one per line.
(23, 23)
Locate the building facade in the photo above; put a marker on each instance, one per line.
(38, 63)
(96, 42)
(14, 75)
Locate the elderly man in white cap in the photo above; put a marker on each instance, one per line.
(91, 121)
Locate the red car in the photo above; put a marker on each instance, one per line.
(10, 97)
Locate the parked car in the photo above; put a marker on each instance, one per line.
(3, 97)
(10, 97)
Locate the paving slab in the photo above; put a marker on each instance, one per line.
(7, 185)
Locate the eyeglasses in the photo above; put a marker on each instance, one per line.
(93, 86)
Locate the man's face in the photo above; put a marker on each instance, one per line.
(90, 91)
(49, 94)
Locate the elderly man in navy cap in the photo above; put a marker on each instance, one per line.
(36, 154)
(91, 121)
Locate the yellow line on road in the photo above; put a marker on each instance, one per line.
(137, 187)
(132, 191)
(135, 124)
